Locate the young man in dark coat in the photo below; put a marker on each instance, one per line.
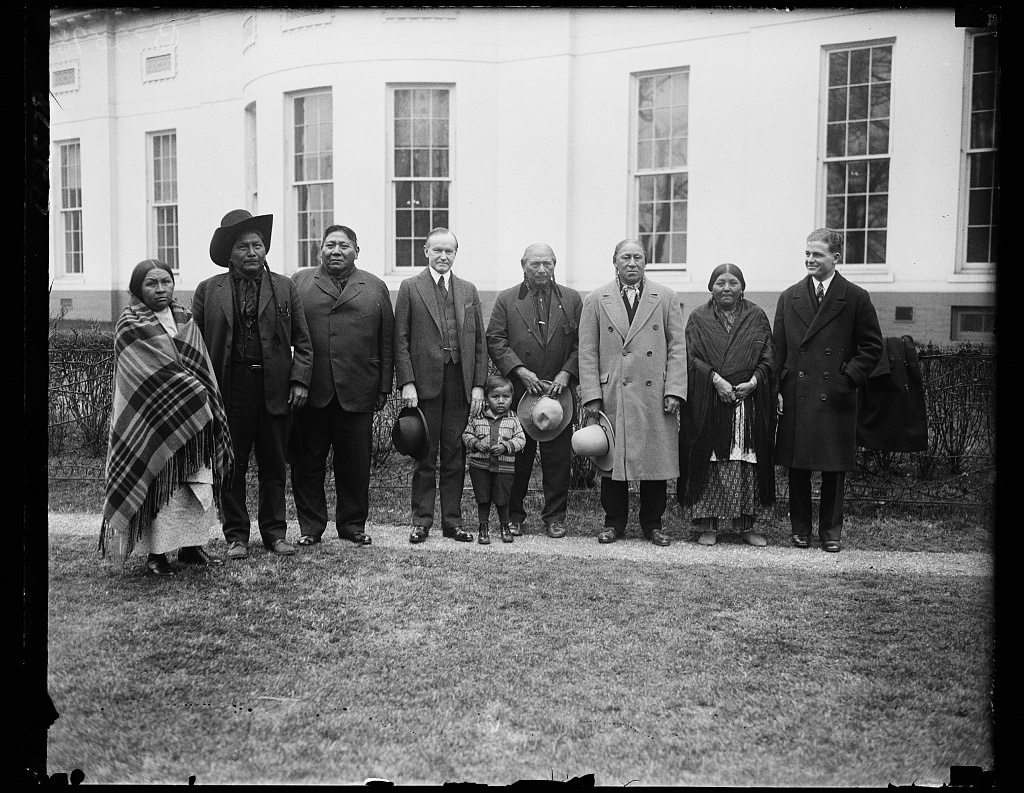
(828, 341)
(533, 339)
(351, 325)
(252, 322)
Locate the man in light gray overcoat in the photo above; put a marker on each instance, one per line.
(633, 368)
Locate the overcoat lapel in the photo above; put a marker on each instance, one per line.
(225, 299)
(266, 292)
(427, 289)
(648, 303)
(830, 308)
(528, 311)
(323, 281)
(616, 311)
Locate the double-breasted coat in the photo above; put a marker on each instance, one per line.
(419, 351)
(213, 311)
(352, 333)
(513, 337)
(632, 368)
(825, 354)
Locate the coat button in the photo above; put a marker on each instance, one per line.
(609, 327)
(828, 351)
(625, 353)
(655, 326)
(826, 375)
(648, 382)
(649, 353)
(802, 351)
(823, 397)
(799, 374)
(625, 382)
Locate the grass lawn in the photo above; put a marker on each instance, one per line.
(427, 665)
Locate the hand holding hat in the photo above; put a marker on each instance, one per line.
(543, 416)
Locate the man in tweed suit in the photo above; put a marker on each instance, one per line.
(441, 366)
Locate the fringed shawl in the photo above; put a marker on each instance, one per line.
(735, 355)
(168, 421)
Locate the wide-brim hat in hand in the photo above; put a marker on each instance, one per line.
(597, 441)
(232, 226)
(409, 435)
(543, 416)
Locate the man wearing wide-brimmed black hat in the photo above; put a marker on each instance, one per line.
(255, 329)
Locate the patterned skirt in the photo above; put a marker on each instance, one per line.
(731, 491)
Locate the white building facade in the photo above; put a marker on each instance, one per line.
(710, 135)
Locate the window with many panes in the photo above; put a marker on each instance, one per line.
(858, 89)
(164, 196)
(70, 215)
(421, 174)
(313, 172)
(660, 165)
(979, 217)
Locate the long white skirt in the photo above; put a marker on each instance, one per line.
(185, 520)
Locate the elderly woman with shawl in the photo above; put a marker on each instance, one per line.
(170, 449)
(730, 410)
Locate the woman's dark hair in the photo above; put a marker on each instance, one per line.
(142, 269)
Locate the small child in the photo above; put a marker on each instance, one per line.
(493, 439)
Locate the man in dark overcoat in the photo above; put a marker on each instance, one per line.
(828, 341)
(441, 366)
(351, 325)
(253, 325)
(533, 339)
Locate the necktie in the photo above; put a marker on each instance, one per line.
(820, 293)
(440, 285)
(249, 301)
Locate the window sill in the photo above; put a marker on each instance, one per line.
(972, 278)
(875, 275)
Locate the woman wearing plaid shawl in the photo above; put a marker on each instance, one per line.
(170, 448)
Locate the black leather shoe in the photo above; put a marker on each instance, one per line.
(418, 534)
(358, 537)
(195, 554)
(609, 535)
(832, 546)
(458, 535)
(280, 548)
(655, 537)
(515, 528)
(308, 539)
(157, 564)
(800, 541)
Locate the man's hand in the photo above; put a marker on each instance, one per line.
(409, 398)
(743, 390)
(476, 406)
(726, 393)
(560, 383)
(672, 403)
(529, 379)
(297, 396)
(592, 408)
(382, 400)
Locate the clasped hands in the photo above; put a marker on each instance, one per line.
(535, 385)
(731, 394)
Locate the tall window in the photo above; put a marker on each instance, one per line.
(980, 215)
(661, 174)
(421, 167)
(314, 172)
(859, 83)
(71, 206)
(251, 180)
(164, 196)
